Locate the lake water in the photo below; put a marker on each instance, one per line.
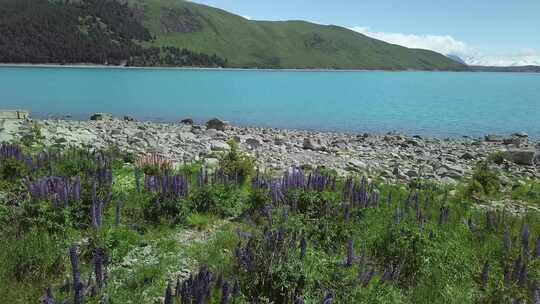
(426, 103)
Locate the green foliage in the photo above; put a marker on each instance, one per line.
(12, 169)
(168, 211)
(226, 201)
(33, 136)
(404, 245)
(216, 253)
(199, 221)
(237, 164)
(151, 245)
(45, 216)
(34, 257)
(496, 158)
(74, 166)
(484, 180)
(120, 241)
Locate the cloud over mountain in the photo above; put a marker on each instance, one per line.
(449, 45)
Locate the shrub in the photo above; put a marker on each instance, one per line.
(237, 164)
(171, 211)
(33, 257)
(221, 200)
(12, 169)
(496, 158)
(199, 221)
(33, 136)
(403, 245)
(268, 266)
(484, 180)
(73, 166)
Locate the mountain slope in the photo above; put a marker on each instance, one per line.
(181, 33)
(287, 44)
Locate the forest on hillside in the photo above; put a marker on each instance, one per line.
(86, 31)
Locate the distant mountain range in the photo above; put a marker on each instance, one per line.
(182, 33)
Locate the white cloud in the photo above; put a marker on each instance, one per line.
(441, 44)
(247, 17)
(448, 45)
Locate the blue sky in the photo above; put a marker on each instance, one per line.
(499, 32)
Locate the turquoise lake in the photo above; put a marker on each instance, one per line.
(443, 104)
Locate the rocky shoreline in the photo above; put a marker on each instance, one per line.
(390, 156)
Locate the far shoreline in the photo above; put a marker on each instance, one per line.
(191, 68)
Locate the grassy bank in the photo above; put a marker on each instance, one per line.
(109, 227)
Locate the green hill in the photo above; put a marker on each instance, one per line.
(181, 33)
(287, 44)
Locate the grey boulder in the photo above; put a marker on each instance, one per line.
(524, 157)
(217, 124)
(101, 116)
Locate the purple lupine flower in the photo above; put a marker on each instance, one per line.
(443, 217)
(96, 213)
(267, 212)
(366, 277)
(506, 275)
(225, 293)
(491, 220)
(350, 253)
(285, 214)
(472, 226)
(507, 241)
(202, 177)
(236, 289)
(8, 151)
(389, 198)
(363, 192)
(276, 192)
(48, 298)
(78, 286)
(347, 212)
(328, 299)
(408, 201)
(387, 275)
(484, 276)
(517, 268)
(303, 246)
(525, 239)
(398, 215)
(166, 185)
(58, 190)
(522, 278)
(99, 260)
(169, 299)
(293, 179)
(347, 192)
(196, 289)
(298, 300)
(536, 295)
(259, 182)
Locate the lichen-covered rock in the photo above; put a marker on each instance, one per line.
(217, 124)
(101, 116)
(524, 157)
